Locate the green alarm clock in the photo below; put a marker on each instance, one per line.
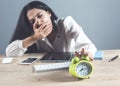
(81, 68)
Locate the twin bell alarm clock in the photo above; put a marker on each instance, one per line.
(81, 68)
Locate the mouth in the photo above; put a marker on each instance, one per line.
(37, 26)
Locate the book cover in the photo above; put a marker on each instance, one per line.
(98, 55)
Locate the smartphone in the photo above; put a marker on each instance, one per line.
(28, 61)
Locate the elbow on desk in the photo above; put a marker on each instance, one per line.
(14, 53)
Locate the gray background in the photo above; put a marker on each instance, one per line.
(100, 19)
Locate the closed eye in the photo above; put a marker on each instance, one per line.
(32, 21)
(39, 16)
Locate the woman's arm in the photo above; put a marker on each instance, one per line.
(15, 49)
(80, 38)
(19, 47)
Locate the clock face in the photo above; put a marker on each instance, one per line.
(83, 69)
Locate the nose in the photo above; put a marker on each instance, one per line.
(38, 23)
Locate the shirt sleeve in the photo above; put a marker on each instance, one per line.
(15, 49)
(77, 34)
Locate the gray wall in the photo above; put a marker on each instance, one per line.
(100, 19)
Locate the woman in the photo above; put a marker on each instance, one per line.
(40, 30)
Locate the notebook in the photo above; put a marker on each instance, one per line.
(98, 55)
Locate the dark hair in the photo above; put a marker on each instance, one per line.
(23, 28)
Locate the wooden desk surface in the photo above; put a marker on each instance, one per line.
(105, 73)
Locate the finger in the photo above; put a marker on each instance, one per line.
(90, 57)
(40, 29)
(45, 32)
(48, 31)
(82, 51)
(43, 26)
(48, 28)
(78, 55)
(86, 54)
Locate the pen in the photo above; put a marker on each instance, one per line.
(113, 58)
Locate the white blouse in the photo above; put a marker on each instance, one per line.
(70, 38)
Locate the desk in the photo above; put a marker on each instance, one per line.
(105, 73)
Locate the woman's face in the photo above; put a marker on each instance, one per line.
(39, 17)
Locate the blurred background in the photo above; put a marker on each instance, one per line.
(100, 19)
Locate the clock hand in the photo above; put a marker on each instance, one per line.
(81, 69)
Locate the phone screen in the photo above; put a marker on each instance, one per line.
(28, 61)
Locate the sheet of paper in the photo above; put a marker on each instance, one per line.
(7, 60)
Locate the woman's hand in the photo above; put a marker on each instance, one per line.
(83, 53)
(42, 31)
